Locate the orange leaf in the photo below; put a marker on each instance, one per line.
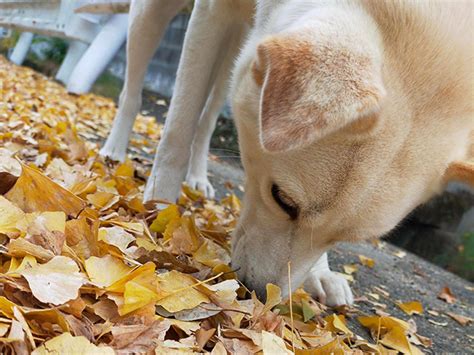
(35, 192)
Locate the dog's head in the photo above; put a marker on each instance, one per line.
(327, 149)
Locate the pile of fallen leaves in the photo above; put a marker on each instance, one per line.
(86, 267)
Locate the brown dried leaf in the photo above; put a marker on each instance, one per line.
(463, 320)
(446, 295)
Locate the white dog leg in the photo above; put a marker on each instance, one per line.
(328, 287)
(197, 171)
(148, 20)
(210, 27)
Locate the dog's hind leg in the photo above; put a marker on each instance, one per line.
(148, 20)
(196, 177)
(211, 26)
(327, 286)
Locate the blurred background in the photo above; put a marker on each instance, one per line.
(53, 37)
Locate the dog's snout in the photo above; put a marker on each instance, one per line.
(253, 285)
(250, 280)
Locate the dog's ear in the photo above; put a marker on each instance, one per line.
(310, 89)
(460, 172)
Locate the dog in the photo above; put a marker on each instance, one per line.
(350, 113)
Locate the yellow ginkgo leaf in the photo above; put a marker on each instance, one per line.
(136, 296)
(21, 247)
(16, 267)
(211, 254)
(377, 323)
(40, 316)
(10, 216)
(67, 344)
(272, 344)
(142, 271)
(335, 347)
(56, 282)
(106, 270)
(177, 293)
(337, 324)
(367, 261)
(396, 339)
(116, 236)
(35, 192)
(131, 227)
(164, 217)
(273, 297)
(4, 327)
(410, 308)
(53, 221)
(125, 169)
(350, 269)
(183, 238)
(6, 307)
(102, 199)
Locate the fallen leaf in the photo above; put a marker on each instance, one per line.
(10, 216)
(271, 344)
(337, 324)
(6, 307)
(446, 295)
(164, 260)
(400, 254)
(21, 248)
(35, 192)
(460, 319)
(67, 344)
(410, 308)
(396, 339)
(164, 217)
(367, 261)
(441, 324)
(56, 282)
(177, 293)
(350, 269)
(102, 199)
(125, 169)
(116, 236)
(106, 270)
(273, 297)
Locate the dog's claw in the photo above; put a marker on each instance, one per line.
(329, 288)
(164, 184)
(201, 184)
(116, 152)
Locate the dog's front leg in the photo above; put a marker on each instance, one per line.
(328, 287)
(197, 171)
(148, 20)
(209, 30)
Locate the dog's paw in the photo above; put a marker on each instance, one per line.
(202, 184)
(163, 184)
(114, 151)
(329, 288)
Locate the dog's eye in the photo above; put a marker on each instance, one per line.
(285, 202)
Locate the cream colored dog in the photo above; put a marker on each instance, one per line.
(349, 113)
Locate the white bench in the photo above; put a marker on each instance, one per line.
(96, 29)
